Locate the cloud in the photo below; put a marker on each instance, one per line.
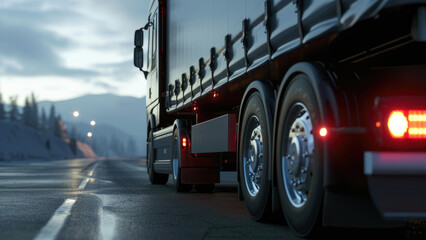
(120, 70)
(106, 86)
(75, 42)
(29, 50)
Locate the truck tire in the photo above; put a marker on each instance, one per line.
(299, 166)
(176, 160)
(154, 178)
(253, 159)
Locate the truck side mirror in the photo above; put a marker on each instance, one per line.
(138, 57)
(138, 51)
(139, 38)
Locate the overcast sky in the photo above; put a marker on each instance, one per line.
(61, 49)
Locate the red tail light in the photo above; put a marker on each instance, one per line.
(417, 124)
(407, 124)
(397, 124)
(184, 142)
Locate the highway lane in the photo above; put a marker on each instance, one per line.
(117, 202)
(31, 192)
(112, 199)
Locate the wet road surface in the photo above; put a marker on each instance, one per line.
(113, 199)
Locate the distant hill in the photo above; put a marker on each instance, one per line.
(114, 115)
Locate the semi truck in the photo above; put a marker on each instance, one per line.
(318, 105)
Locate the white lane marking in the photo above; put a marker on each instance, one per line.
(107, 220)
(83, 183)
(56, 222)
(86, 180)
(107, 226)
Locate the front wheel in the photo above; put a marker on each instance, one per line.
(176, 169)
(299, 161)
(154, 178)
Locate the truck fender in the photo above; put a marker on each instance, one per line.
(150, 123)
(325, 94)
(179, 125)
(268, 98)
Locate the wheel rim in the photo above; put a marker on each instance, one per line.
(175, 158)
(297, 154)
(253, 155)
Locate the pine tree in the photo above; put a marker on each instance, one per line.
(14, 115)
(57, 127)
(26, 114)
(2, 110)
(52, 119)
(73, 133)
(34, 112)
(43, 123)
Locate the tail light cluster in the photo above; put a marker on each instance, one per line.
(401, 122)
(407, 124)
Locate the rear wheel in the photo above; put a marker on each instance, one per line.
(299, 162)
(253, 159)
(154, 178)
(176, 163)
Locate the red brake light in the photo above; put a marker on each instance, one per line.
(407, 124)
(397, 124)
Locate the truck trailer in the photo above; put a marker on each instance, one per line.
(318, 105)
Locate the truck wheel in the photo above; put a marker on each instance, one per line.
(176, 160)
(253, 159)
(154, 178)
(204, 188)
(299, 162)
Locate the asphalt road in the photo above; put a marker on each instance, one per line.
(112, 199)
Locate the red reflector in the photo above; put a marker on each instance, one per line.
(184, 143)
(323, 132)
(407, 124)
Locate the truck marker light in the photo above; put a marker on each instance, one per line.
(184, 142)
(397, 124)
(323, 132)
(378, 124)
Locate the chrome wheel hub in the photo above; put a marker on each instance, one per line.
(253, 155)
(297, 157)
